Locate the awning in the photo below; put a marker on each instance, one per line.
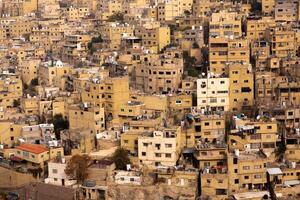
(292, 182)
(274, 171)
(188, 150)
(16, 159)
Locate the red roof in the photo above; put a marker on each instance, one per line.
(33, 148)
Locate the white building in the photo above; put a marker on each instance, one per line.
(40, 134)
(128, 177)
(109, 135)
(57, 175)
(213, 93)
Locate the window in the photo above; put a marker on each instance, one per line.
(158, 155)
(54, 171)
(168, 145)
(236, 181)
(25, 154)
(246, 167)
(143, 153)
(220, 192)
(145, 144)
(246, 177)
(168, 155)
(235, 161)
(257, 166)
(257, 176)
(269, 127)
(126, 141)
(206, 124)
(178, 101)
(213, 100)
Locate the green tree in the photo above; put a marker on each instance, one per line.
(117, 17)
(16, 103)
(95, 40)
(195, 45)
(36, 172)
(121, 159)
(77, 167)
(280, 150)
(25, 86)
(3, 196)
(59, 124)
(34, 82)
(190, 65)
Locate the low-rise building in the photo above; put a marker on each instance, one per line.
(160, 147)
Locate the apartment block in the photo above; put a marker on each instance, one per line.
(213, 93)
(160, 147)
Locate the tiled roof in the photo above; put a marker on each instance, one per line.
(33, 148)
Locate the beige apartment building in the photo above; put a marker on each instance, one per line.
(241, 86)
(169, 10)
(29, 70)
(10, 133)
(268, 6)
(51, 71)
(286, 11)
(113, 33)
(75, 13)
(75, 46)
(201, 8)
(108, 92)
(282, 39)
(155, 39)
(11, 89)
(247, 171)
(106, 8)
(256, 27)
(225, 24)
(260, 52)
(160, 148)
(208, 127)
(224, 50)
(18, 27)
(30, 105)
(19, 8)
(86, 117)
(249, 135)
(156, 75)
